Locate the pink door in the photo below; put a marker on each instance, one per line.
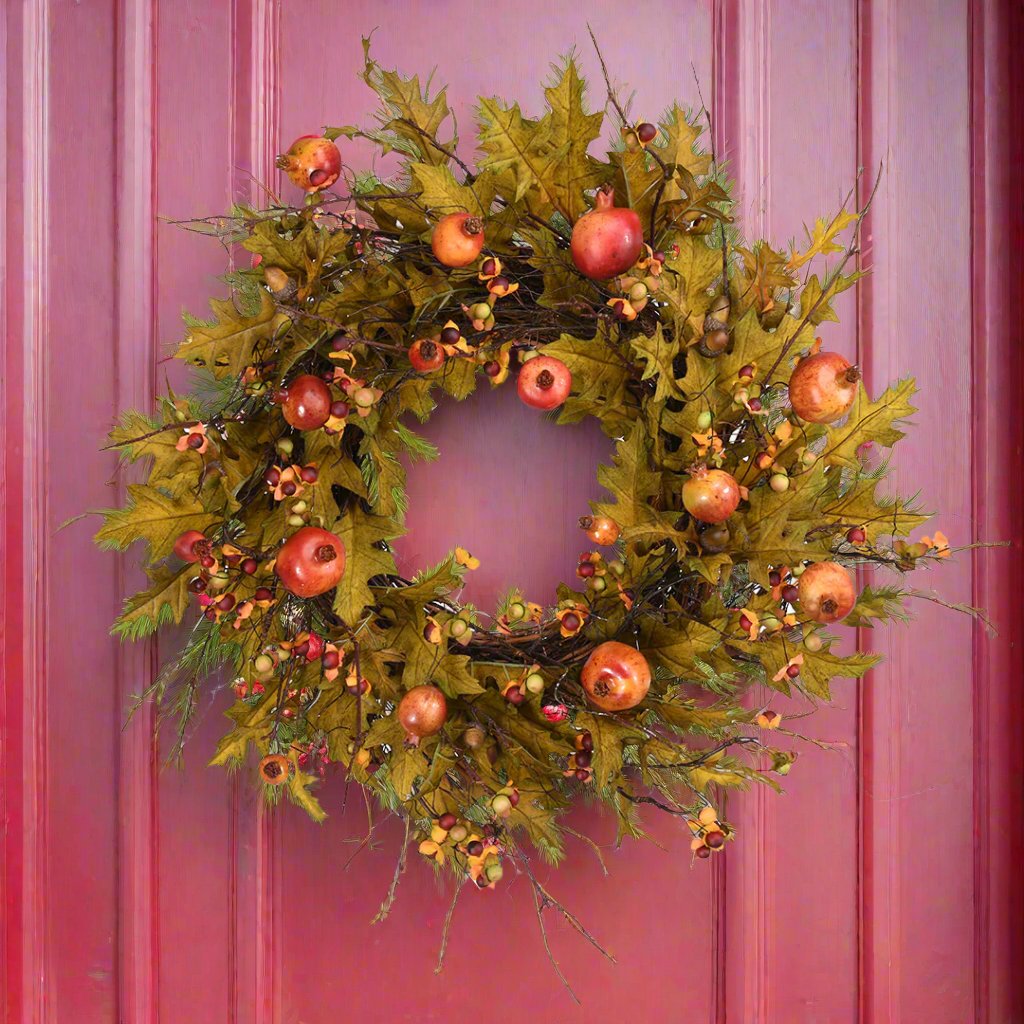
(883, 887)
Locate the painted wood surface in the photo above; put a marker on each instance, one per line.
(882, 887)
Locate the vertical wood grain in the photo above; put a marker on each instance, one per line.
(918, 709)
(997, 161)
(134, 366)
(24, 555)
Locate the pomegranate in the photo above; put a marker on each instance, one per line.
(311, 561)
(544, 382)
(191, 546)
(312, 162)
(306, 402)
(275, 769)
(826, 592)
(823, 387)
(426, 355)
(710, 495)
(600, 529)
(607, 240)
(457, 239)
(616, 677)
(422, 712)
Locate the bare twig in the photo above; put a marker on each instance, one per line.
(385, 907)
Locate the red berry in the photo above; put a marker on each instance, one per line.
(475, 848)
(584, 758)
(450, 336)
(774, 578)
(582, 774)
(571, 622)
(196, 440)
(585, 569)
(745, 622)
(646, 132)
(514, 695)
(746, 371)
(207, 561)
(856, 535)
(249, 566)
(330, 659)
(492, 368)
(715, 840)
(703, 852)
(339, 410)
(272, 477)
(586, 741)
(197, 585)
(263, 594)
(226, 603)
(288, 488)
(754, 405)
(308, 474)
(447, 821)
(790, 593)
(793, 671)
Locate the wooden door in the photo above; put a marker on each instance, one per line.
(882, 887)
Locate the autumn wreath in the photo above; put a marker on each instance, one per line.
(741, 495)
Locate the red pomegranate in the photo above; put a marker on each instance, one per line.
(607, 240)
(426, 355)
(190, 546)
(710, 495)
(458, 239)
(422, 712)
(544, 382)
(616, 677)
(311, 561)
(306, 402)
(823, 387)
(312, 162)
(826, 592)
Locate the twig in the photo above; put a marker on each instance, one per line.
(389, 900)
(447, 927)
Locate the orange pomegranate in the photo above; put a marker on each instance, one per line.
(616, 677)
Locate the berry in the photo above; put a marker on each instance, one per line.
(600, 529)
(308, 474)
(714, 840)
(475, 848)
(779, 482)
(646, 132)
(263, 663)
(704, 420)
(450, 336)
(856, 535)
(339, 410)
(197, 585)
(226, 603)
(790, 594)
(514, 695)
(263, 594)
(447, 821)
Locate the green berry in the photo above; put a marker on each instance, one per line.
(779, 482)
(263, 663)
(704, 420)
(501, 804)
(535, 683)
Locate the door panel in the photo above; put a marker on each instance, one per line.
(882, 886)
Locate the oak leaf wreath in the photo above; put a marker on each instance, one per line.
(744, 489)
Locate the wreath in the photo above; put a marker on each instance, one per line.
(745, 486)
